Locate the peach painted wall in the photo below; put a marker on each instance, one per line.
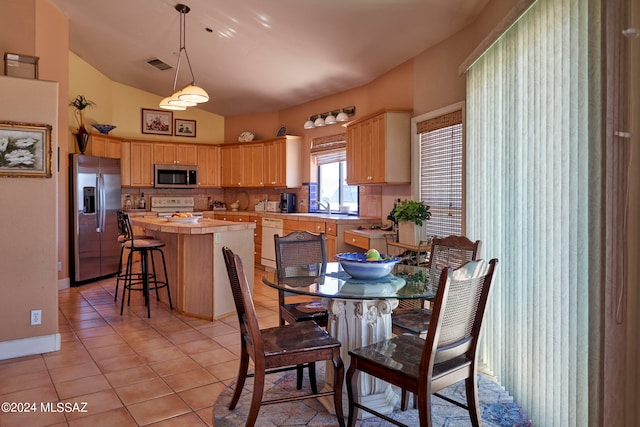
(28, 223)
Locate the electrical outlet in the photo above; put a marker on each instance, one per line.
(218, 237)
(36, 317)
(59, 265)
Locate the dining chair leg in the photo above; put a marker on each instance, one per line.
(351, 384)
(242, 376)
(299, 375)
(256, 397)
(338, 377)
(312, 377)
(471, 385)
(424, 410)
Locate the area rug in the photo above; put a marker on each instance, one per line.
(498, 409)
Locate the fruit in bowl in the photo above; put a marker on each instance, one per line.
(182, 215)
(364, 266)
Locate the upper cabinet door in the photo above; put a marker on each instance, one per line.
(167, 153)
(379, 149)
(209, 166)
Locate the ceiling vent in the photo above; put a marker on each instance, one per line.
(159, 64)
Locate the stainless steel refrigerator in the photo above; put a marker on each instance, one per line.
(94, 195)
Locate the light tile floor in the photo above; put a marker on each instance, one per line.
(130, 370)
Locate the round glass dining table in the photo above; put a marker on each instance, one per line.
(359, 313)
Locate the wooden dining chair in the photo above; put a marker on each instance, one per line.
(452, 251)
(448, 355)
(277, 349)
(300, 248)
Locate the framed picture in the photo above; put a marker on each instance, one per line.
(25, 150)
(185, 127)
(157, 122)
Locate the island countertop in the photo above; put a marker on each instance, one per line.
(203, 226)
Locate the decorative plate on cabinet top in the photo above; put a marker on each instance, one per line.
(246, 136)
(282, 131)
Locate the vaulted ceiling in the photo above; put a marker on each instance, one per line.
(259, 55)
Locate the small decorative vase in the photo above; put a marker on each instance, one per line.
(82, 138)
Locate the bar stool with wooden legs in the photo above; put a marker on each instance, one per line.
(141, 281)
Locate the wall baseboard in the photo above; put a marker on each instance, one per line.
(63, 283)
(29, 346)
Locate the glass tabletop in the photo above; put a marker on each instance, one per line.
(331, 281)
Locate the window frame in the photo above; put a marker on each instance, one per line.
(416, 153)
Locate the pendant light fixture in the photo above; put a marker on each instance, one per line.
(192, 94)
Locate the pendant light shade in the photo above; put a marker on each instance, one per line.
(330, 119)
(319, 122)
(192, 94)
(164, 104)
(342, 117)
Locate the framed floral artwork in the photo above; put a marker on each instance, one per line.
(25, 150)
(185, 127)
(157, 122)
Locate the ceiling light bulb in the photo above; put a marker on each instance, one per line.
(193, 93)
(309, 124)
(164, 104)
(330, 120)
(319, 122)
(342, 117)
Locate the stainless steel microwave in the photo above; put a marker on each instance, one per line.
(176, 176)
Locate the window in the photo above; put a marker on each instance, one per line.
(330, 155)
(440, 144)
(334, 190)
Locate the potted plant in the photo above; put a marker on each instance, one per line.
(80, 103)
(409, 215)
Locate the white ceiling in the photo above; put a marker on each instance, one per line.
(260, 55)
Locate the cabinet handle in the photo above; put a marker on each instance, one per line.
(353, 240)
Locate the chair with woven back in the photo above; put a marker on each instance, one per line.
(300, 248)
(452, 251)
(448, 355)
(277, 349)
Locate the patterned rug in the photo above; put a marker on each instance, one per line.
(497, 408)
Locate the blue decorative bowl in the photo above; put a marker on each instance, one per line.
(357, 266)
(104, 129)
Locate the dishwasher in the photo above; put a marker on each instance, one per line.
(270, 227)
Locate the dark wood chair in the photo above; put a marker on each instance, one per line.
(277, 349)
(452, 251)
(448, 355)
(123, 236)
(300, 248)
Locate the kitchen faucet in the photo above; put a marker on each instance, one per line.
(322, 205)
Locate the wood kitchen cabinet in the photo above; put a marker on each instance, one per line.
(105, 146)
(208, 166)
(183, 154)
(267, 163)
(379, 148)
(141, 164)
(282, 166)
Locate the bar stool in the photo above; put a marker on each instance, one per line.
(141, 281)
(123, 236)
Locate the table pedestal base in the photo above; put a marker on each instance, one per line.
(356, 323)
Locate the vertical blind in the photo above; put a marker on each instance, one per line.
(441, 172)
(532, 184)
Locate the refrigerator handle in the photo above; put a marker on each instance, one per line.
(100, 204)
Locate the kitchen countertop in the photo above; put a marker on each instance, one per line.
(203, 226)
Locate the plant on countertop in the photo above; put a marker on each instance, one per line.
(79, 104)
(412, 211)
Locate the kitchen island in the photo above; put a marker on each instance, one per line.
(195, 265)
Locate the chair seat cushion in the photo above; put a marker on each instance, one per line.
(413, 321)
(296, 338)
(403, 354)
